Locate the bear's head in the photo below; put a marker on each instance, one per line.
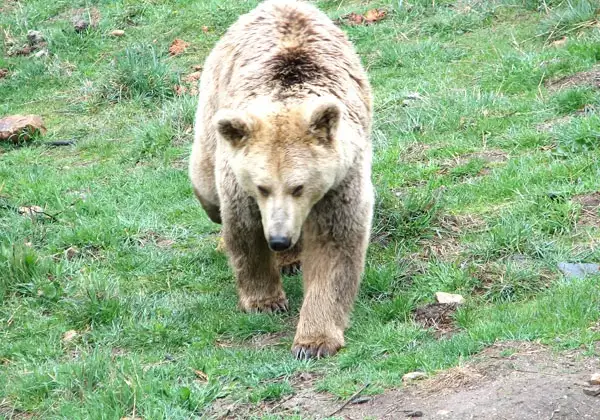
(287, 158)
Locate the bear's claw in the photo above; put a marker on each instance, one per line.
(316, 350)
(291, 269)
(280, 305)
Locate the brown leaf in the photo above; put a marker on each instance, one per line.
(354, 18)
(205, 29)
(179, 90)
(197, 67)
(559, 42)
(69, 336)
(201, 375)
(193, 77)
(118, 32)
(3, 73)
(374, 15)
(178, 46)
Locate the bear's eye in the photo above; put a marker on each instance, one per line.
(263, 191)
(298, 191)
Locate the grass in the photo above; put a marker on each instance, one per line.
(124, 260)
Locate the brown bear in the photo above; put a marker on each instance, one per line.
(282, 158)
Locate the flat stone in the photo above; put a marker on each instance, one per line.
(578, 270)
(18, 128)
(443, 297)
(413, 376)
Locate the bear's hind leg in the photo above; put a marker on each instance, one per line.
(257, 274)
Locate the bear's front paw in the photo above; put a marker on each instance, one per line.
(279, 304)
(291, 269)
(304, 349)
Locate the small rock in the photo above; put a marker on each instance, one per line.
(413, 376)
(41, 53)
(30, 210)
(118, 32)
(17, 128)
(595, 379)
(69, 336)
(443, 297)
(578, 270)
(442, 413)
(35, 38)
(417, 413)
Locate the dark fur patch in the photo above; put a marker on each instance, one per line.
(294, 67)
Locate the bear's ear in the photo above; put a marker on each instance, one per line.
(324, 118)
(235, 127)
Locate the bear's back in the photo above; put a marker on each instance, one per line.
(287, 50)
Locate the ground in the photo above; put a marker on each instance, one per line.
(115, 303)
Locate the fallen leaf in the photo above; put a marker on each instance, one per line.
(354, 18)
(193, 77)
(69, 336)
(3, 73)
(179, 90)
(197, 67)
(559, 42)
(205, 29)
(374, 15)
(201, 375)
(118, 32)
(178, 46)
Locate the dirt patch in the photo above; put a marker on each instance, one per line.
(438, 316)
(511, 381)
(551, 124)
(590, 209)
(490, 158)
(446, 245)
(584, 78)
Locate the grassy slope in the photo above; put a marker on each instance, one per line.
(152, 300)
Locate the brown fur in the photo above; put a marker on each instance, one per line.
(282, 148)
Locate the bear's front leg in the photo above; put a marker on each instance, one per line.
(332, 266)
(257, 274)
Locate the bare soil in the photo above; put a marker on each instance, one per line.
(584, 78)
(590, 209)
(510, 381)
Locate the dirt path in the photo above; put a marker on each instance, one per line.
(507, 381)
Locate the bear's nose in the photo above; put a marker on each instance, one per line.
(279, 243)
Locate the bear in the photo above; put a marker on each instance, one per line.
(282, 160)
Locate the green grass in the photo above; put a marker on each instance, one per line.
(151, 300)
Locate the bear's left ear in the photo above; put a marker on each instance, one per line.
(324, 118)
(235, 127)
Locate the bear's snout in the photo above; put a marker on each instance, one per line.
(279, 243)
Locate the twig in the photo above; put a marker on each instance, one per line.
(349, 400)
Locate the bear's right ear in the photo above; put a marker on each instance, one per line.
(235, 127)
